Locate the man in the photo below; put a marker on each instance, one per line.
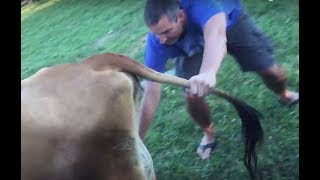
(198, 34)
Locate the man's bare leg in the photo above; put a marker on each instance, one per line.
(200, 112)
(276, 80)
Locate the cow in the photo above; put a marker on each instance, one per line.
(80, 121)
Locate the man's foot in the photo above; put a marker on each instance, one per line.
(206, 146)
(290, 98)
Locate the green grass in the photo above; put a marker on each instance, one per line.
(66, 31)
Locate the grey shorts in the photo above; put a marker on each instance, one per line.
(245, 42)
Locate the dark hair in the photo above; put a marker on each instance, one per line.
(154, 9)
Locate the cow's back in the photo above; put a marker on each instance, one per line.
(79, 123)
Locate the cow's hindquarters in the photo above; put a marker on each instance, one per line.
(78, 123)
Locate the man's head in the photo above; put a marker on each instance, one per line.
(165, 19)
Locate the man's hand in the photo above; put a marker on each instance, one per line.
(201, 84)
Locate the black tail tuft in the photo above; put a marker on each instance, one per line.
(252, 133)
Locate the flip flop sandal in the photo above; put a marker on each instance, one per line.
(290, 102)
(210, 145)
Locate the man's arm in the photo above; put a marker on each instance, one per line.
(215, 44)
(214, 51)
(150, 102)
(156, 56)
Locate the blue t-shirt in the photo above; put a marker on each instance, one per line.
(198, 12)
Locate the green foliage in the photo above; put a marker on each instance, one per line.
(66, 31)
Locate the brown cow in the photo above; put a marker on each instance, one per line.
(80, 122)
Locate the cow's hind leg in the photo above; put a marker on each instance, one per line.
(116, 149)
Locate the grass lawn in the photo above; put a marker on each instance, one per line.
(66, 31)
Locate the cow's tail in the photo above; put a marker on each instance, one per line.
(251, 127)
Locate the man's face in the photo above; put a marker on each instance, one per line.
(168, 31)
